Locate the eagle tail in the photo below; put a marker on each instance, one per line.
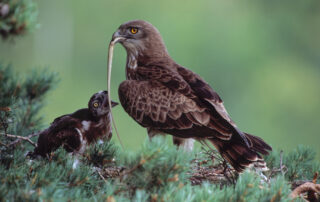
(239, 155)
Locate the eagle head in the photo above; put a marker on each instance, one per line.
(99, 104)
(140, 39)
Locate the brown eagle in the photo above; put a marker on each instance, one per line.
(165, 97)
(77, 130)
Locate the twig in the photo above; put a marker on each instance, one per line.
(3, 144)
(21, 138)
(79, 182)
(281, 165)
(104, 179)
(226, 171)
(142, 161)
(283, 169)
(5, 109)
(315, 177)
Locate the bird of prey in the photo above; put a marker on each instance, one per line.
(165, 97)
(77, 130)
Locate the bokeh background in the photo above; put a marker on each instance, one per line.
(262, 57)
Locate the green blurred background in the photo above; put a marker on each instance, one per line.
(262, 57)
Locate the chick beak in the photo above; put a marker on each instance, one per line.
(113, 104)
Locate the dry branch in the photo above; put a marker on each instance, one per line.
(99, 173)
(5, 109)
(312, 190)
(20, 138)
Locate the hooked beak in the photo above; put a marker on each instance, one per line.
(116, 37)
(113, 104)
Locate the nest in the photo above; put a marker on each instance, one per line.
(208, 166)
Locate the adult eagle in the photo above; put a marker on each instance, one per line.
(165, 97)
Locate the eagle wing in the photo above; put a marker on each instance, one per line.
(67, 121)
(207, 95)
(205, 92)
(164, 100)
(191, 85)
(62, 123)
(47, 142)
(63, 131)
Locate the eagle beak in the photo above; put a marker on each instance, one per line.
(116, 37)
(113, 104)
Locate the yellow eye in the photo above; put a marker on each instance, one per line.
(95, 105)
(133, 30)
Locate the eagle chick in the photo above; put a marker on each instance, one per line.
(77, 130)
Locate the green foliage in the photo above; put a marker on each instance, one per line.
(17, 16)
(49, 179)
(158, 172)
(248, 188)
(21, 100)
(300, 164)
(156, 166)
(101, 154)
(150, 175)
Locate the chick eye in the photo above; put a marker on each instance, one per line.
(95, 105)
(133, 30)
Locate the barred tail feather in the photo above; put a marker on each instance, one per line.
(239, 155)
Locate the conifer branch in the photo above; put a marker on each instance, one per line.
(141, 162)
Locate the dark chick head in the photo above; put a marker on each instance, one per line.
(99, 104)
(140, 38)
